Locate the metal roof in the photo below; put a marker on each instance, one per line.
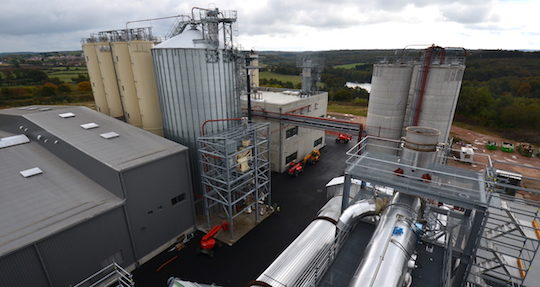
(35, 207)
(133, 146)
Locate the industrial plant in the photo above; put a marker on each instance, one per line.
(183, 147)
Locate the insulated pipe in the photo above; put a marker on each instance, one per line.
(292, 264)
(391, 246)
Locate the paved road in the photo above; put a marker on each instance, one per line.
(299, 198)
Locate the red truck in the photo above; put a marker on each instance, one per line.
(343, 138)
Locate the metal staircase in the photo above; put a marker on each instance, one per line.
(112, 275)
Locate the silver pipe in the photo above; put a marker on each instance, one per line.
(293, 263)
(391, 246)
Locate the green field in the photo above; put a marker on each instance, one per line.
(281, 77)
(348, 66)
(66, 75)
(347, 109)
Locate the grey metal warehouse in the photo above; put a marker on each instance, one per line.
(79, 190)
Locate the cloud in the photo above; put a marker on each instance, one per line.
(277, 24)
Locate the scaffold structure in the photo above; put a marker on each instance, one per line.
(235, 175)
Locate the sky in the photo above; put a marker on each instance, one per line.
(287, 25)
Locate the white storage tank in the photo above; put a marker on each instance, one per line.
(388, 102)
(108, 76)
(195, 83)
(440, 97)
(89, 49)
(126, 83)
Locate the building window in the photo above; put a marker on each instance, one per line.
(291, 157)
(317, 142)
(316, 106)
(291, 132)
(178, 199)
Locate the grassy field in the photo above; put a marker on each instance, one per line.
(66, 75)
(347, 109)
(281, 77)
(347, 66)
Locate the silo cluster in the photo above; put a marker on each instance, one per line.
(121, 74)
(416, 92)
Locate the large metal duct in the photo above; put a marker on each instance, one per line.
(386, 258)
(292, 265)
(391, 246)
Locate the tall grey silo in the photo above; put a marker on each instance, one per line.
(197, 82)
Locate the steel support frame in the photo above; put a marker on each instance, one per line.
(224, 186)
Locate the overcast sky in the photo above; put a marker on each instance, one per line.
(288, 25)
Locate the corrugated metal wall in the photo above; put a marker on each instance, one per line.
(77, 253)
(22, 268)
(192, 90)
(160, 205)
(70, 256)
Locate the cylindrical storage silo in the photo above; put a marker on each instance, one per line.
(94, 74)
(108, 76)
(145, 84)
(195, 84)
(440, 97)
(387, 104)
(126, 83)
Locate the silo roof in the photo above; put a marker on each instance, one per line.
(187, 39)
(131, 147)
(39, 205)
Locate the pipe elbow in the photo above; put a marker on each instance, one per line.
(356, 211)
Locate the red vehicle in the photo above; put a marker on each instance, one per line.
(295, 168)
(343, 138)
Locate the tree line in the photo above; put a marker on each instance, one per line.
(20, 87)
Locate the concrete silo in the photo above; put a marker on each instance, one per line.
(108, 76)
(388, 101)
(89, 49)
(145, 84)
(415, 91)
(435, 109)
(126, 83)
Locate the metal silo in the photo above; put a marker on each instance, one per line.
(145, 83)
(435, 89)
(440, 97)
(89, 49)
(196, 82)
(387, 102)
(108, 76)
(126, 83)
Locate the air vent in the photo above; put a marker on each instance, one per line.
(13, 140)
(89, 126)
(109, 135)
(31, 172)
(66, 115)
